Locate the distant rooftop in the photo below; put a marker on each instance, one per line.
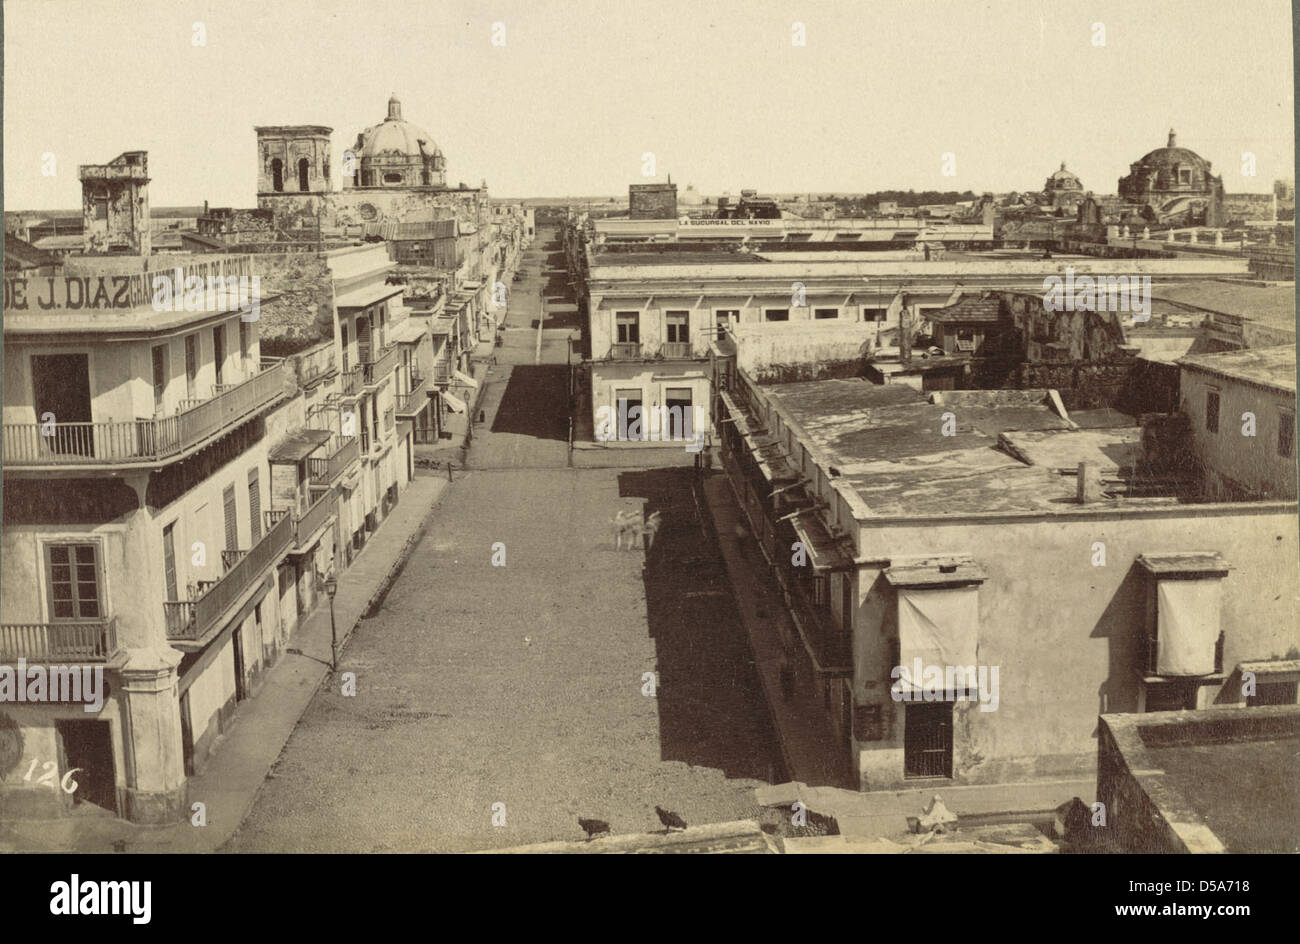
(1010, 452)
(1270, 304)
(1264, 366)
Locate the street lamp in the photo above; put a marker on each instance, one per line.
(331, 584)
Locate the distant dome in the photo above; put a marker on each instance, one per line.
(1168, 172)
(1064, 180)
(397, 153)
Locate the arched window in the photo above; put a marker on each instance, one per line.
(302, 174)
(277, 175)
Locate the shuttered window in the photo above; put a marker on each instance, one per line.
(232, 525)
(254, 506)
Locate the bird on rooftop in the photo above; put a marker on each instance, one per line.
(670, 819)
(593, 827)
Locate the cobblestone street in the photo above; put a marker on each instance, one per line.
(523, 684)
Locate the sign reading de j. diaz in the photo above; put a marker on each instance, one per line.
(108, 290)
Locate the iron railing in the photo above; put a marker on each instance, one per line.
(314, 518)
(323, 471)
(134, 441)
(408, 404)
(677, 349)
(378, 369)
(193, 619)
(83, 641)
(625, 351)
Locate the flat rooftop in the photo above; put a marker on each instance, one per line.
(1270, 304)
(1010, 452)
(1264, 366)
(1233, 770)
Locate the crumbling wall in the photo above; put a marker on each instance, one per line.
(299, 310)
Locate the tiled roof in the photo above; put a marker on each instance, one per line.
(971, 310)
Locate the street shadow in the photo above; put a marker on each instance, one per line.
(712, 711)
(535, 402)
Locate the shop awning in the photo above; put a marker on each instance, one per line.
(465, 378)
(824, 551)
(299, 444)
(456, 404)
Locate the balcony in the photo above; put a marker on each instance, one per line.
(442, 373)
(625, 351)
(409, 404)
(676, 349)
(141, 442)
(89, 641)
(377, 370)
(313, 519)
(326, 471)
(192, 620)
(350, 381)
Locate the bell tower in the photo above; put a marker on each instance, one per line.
(293, 159)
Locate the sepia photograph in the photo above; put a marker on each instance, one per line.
(782, 427)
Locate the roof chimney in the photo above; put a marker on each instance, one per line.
(1172, 139)
(1088, 484)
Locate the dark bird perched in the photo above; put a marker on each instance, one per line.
(670, 819)
(593, 827)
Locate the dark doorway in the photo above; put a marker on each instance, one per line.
(631, 422)
(680, 416)
(61, 386)
(88, 748)
(927, 740)
(237, 647)
(277, 175)
(302, 174)
(187, 734)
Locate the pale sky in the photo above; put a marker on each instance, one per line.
(715, 90)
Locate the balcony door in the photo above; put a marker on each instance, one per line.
(61, 386)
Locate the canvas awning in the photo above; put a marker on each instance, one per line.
(465, 378)
(1187, 629)
(298, 445)
(824, 551)
(938, 627)
(455, 403)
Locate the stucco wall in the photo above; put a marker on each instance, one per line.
(1065, 633)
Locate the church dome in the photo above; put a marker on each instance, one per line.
(1168, 172)
(396, 152)
(396, 136)
(1064, 180)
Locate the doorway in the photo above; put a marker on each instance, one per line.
(61, 386)
(631, 424)
(927, 740)
(237, 647)
(187, 734)
(86, 746)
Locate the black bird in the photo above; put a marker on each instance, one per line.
(593, 827)
(670, 819)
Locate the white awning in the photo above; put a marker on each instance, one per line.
(465, 378)
(1188, 626)
(456, 403)
(938, 627)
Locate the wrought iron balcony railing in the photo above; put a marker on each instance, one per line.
(409, 404)
(376, 370)
(324, 471)
(191, 620)
(124, 442)
(83, 641)
(625, 351)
